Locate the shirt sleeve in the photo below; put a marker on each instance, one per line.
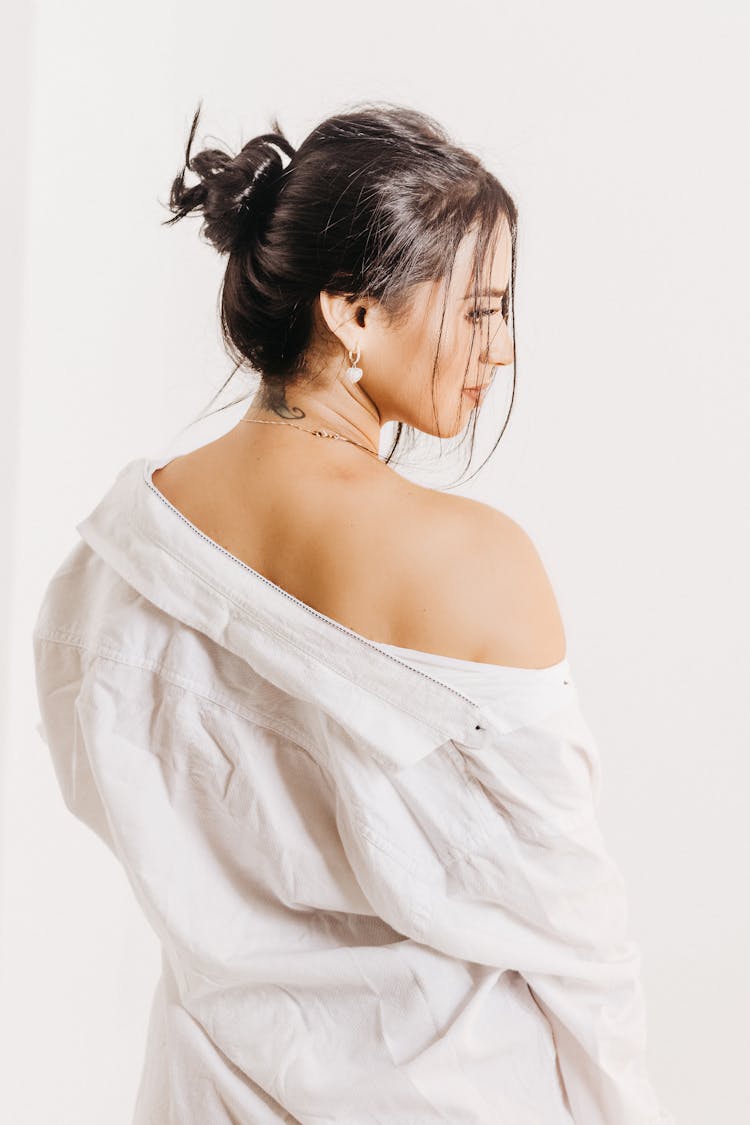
(505, 865)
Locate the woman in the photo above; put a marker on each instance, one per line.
(323, 716)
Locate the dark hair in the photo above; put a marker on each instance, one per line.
(373, 202)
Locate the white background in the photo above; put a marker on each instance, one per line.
(621, 132)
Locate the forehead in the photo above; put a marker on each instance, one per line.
(497, 263)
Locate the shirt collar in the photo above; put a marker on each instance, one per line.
(399, 712)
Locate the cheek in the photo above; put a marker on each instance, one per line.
(460, 354)
(457, 362)
(408, 354)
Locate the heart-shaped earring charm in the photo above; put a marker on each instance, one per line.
(354, 373)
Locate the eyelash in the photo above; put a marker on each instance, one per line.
(476, 313)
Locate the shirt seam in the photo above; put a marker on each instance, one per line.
(177, 679)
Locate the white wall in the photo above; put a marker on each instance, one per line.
(621, 132)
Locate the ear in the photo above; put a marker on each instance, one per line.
(345, 318)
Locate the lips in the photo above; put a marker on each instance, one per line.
(476, 393)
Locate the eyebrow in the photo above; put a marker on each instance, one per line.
(488, 293)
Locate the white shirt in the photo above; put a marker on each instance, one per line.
(379, 898)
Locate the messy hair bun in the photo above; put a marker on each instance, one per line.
(235, 193)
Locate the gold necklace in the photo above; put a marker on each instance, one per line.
(315, 433)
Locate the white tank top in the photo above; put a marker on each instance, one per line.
(491, 685)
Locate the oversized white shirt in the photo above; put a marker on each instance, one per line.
(378, 900)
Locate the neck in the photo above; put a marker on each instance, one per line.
(342, 408)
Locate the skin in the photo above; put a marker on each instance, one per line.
(397, 360)
(347, 534)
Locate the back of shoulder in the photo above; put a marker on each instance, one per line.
(488, 585)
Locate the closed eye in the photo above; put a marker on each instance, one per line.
(476, 313)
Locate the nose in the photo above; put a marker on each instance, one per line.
(500, 351)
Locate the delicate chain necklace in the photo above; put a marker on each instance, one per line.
(316, 433)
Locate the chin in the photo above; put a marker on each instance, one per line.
(449, 427)
(454, 429)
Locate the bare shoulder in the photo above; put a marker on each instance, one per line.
(486, 594)
(419, 568)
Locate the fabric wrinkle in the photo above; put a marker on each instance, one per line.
(377, 877)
